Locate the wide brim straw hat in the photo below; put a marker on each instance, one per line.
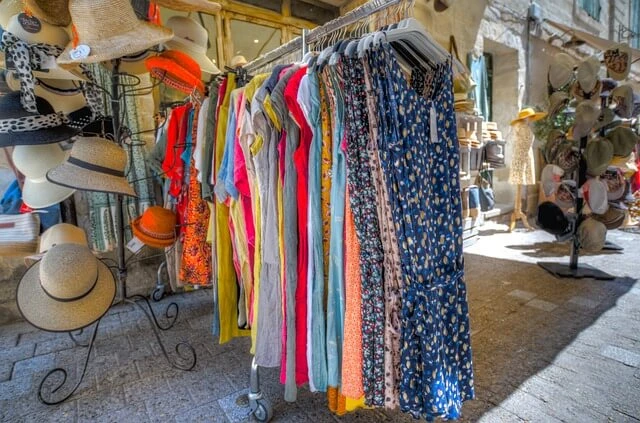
(11, 108)
(55, 12)
(109, 29)
(204, 6)
(156, 227)
(66, 269)
(530, 114)
(33, 161)
(206, 65)
(95, 164)
(176, 70)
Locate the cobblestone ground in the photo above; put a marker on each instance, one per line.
(545, 350)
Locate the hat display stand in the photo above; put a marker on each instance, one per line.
(55, 387)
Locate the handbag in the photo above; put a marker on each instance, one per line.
(462, 80)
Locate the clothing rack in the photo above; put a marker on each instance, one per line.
(300, 43)
(55, 392)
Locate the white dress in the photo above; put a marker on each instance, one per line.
(522, 171)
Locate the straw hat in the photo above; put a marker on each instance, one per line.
(624, 141)
(561, 71)
(598, 155)
(204, 6)
(587, 74)
(17, 125)
(612, 219)
(156, 227)
(592, 235)
(55, 12)
(558, 101)
(618, 59)
(62, 233)
(595, 193)
(238, 61)
(67, 290)
(47, 34)
(530, 114)
(566, 194)
(177, 70)
(95, 164)
(191, 38)
(132, 64)
(616, 184)
(587, 114)
(109, 29)
(622, 96)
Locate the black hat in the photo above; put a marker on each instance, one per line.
(19, 127)
(552, 219)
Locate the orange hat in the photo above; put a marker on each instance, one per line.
(177, 70)
(156, 227)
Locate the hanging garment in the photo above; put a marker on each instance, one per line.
(480, 93)
(522, 170)
(436, 368)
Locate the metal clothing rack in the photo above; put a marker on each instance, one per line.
(54, 391)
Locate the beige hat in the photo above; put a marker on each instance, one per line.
(622, 96)
(62, 233)
(191, 38)
(132, 64)
(598, 155)
(626, 164)
(613, 218)
(561, 71)
(592, 235)
(624, 141)
(38, 193)
(9, 8)
(47, 34)
(204, 6)
(558, 101)
(587, 74)
(595, 192)
(587, 114)
(618, 59)
(238, 61)
(67, 290)
(95, 164)
(55, 12)
(33, 161)
(109, 29)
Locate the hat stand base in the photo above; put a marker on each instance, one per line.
(610, 246)
(563, 270)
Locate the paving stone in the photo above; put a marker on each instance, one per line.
(131, 413)
(33, 367)
(65, 412)
(622, 355)
(119, 374)
(13, 354)
(163, 408)
(117, 344)
(12, 389)
(527, 408)
(523, 295)
(233, 411)
(63, 342)
(100, 403)
(584, 302)
(209, 412)
(138, 391)
(209, 388)
(542, 305)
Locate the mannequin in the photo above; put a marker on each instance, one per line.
(522, 170)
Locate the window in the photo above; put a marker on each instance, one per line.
(634, 23)
(251, 40)
(207, 21)
(313, 12)
(592, 7)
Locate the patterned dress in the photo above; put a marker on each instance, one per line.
(522, 170)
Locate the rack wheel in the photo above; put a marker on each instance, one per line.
(261, 410)
(158, 294)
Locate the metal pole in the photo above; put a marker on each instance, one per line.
(115, 111)
(582, 173)
(304, 43)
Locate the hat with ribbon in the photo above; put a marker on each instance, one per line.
(566, 194)
(177, 70)
(191, 38)
(55, 12)
(108, 29)
(156, 227)
(561, 71)
(587, 114)
(95, 164)
(616, 184)
(612, 219)
(623, 139)
(618, 59)
(598, 155)
(551, 218)
(19, 127)
(558, 101)
(68, 289)
(529, 113)
(550, 178)
(622, 96)
(595, 193)
(204, 6)
(592, 235)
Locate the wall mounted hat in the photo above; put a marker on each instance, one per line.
(67, 290)
(598, 155)
(204, 6)
(587, 114)
(595, 193)
(55, 12)
(47, 34)
(191, 38)
(109, 29)
(561, 71)
(156, 227)
(622, 96)
(592, 235)
(95, 164)
(551, 218)
(18, 127)
(624, 140)
(618, 59)
(177, 70)
(587, 74)
(529, 113)
(442, 5)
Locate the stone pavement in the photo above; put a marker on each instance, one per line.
(545, 350)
